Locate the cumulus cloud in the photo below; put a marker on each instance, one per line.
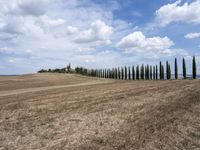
(99, 31)
(46, 21)
(71, 30)
(25, 7)
(177, 12)
(138, 43)
(192, 35)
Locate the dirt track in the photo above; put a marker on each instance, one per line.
(58, 111)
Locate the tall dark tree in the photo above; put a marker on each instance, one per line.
(133, 73)
(194, 69)
(137, 73)
(184, 69)
(119, 77)
(116, 74)
(147, 72)
(142, 72)
(154, 73)
(113, 73)
(151, 75)
(129, 73)
(160, 70)
(167, 70)
(122, 70)
(125, 72)
(176, 69)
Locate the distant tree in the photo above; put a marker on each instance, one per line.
(160, 70)
(142, 72)
(133, 73)
(68, 68)
(42, 71)
(169, 70)
(104, 73)
(129, 73)
(176, 69)
(137, 73)
(184, 69)
(113, 73)
(110, 73)
(116, 73)
(148, 75)
(125, 72)
(119, 77)
(122, 73)
(194, 71)
(156, 72)
(151, 73)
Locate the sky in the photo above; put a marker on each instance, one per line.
(36, 34)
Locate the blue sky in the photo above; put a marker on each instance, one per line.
(37, 34)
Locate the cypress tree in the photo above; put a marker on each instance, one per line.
(137, 73)
(112, 73)
(147, 72)
(194, 71)
(184, 69)
(129, 73)
(125, 72)
(116, 74)
(156, 72)
(119, 73)
(160, 70)
(167, 70)
(143, 72)
(176, 69)
(122, 73)
(150, 72)
(133, 73)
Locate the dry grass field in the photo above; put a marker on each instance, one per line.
(62, 111)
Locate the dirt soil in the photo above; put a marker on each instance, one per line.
(63, 111)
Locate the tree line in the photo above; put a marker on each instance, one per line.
(143, 72)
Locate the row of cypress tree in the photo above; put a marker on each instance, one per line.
(143, 72)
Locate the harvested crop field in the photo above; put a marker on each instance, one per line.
(64, 111)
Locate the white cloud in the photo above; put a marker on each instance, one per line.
(26, 7)
(45, 21)
(192, 35)
(99, 31)
(175, 12)
(72, 30)
(138, 43)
